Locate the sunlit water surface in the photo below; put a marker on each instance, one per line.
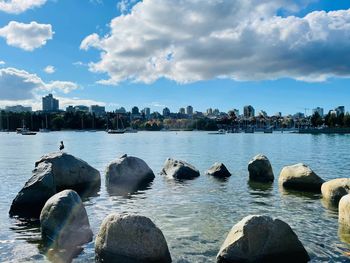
(195, 216)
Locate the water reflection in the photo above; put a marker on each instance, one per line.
(127, 190)
(304, 195)
(344, 233)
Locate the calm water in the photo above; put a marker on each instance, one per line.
(195, 216)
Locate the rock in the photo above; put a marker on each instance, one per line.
(128, 172)
(179, 169)
(72, 173)
(260, 169)
(344, 210)
(64, 222)
(31, 199)
(300, 177)
(130, 239)
(218, 170)
(262, 239)
(335, 189)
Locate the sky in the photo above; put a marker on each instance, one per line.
(276, 55)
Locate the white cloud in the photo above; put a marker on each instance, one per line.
(192, 40)
(26, 36)
(2, 63)
(19, 6)
(18, 84)
(50, 69)
(65, 102)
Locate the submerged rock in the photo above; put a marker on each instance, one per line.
(260, 169)
(262, 239)
(71, 172)
(179, 169)
(218, 170)
(31, 199)
(300, 177)
(128, 172)
(131, 239)
(334, 190)
(64, 223)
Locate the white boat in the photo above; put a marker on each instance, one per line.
(25, 131)
(44, 130)
(221, 131)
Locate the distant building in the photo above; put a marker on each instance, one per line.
(121, 110)
(340, 110)
(70, 109)
(98, 110)
(299, 115)
(216, 112)
(50, 104)
(210, 111)
(318, 110)
(147, 112)
(236, 112)
(18, 109)
(81, 108)
(189, 110)
(248, 111)
(166, 112)
(135, 111)
(182, 111)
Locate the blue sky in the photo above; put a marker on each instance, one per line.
(276, 55)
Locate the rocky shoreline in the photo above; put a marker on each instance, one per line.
(53, 195)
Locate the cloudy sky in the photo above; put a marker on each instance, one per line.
(277, 55)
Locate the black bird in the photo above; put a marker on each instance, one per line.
(61, 146)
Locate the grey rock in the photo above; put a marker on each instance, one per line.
(262, 239)
(64, 222)
(260, 169)
(218, 170)
(334, 190)
(130, 239)
(128, 172)
(300, 177)
(344, 211)
(179, 169)
(72, 173)
(31, 199)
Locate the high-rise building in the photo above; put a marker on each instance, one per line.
(209, 111)
(147, 112)
(18, 109)
(98, 110)
(81, 108)
(121, 110)
(318, 110)
(340, 110)
(216, 112)
(236, 112)
(248, 111)
(50, 103)
(189, 110)
(166, 112)
(182, 111)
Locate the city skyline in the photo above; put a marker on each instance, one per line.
(64, 55)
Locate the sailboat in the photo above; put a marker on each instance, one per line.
(117, 131)
(24, 130)
(42, 125)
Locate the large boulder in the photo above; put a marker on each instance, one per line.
(130, 239)
(262, 239)
(128, 172)
(71, 172)
(344, 211)
(335, 189)
(300, 177)
(31, 199)
(260, 169)
(64, 223)
(179, 169)
(218, 170)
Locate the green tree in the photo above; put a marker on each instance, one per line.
(57, 123)
(316, 119)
